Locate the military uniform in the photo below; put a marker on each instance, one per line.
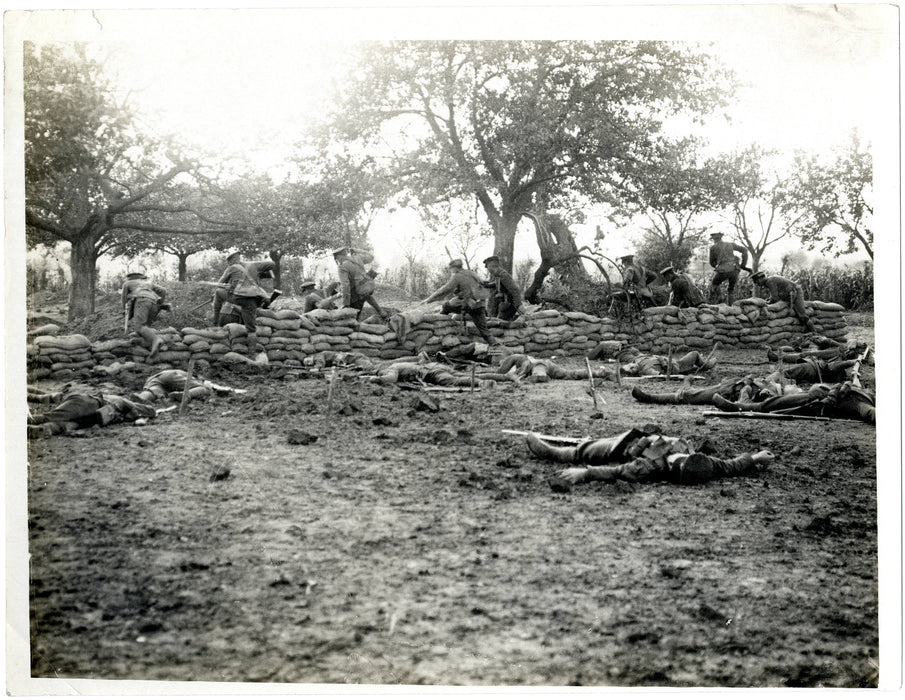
(468, 297)
(357, 283)
(82, 407)
(683, 291)
(636, 278)
(839, 401)
(641, 456)
(143, 301)
(780, 289)
(634, 363)
(726, 266)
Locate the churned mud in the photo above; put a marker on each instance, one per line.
(256, 538)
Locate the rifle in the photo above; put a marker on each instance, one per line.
(548, 438)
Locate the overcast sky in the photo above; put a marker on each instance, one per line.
(252, 79)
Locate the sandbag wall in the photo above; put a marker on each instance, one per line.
(288, 337)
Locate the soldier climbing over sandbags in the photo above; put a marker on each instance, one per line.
(241, 290)
(142, 302)
(683, 291)
(357, 282)
(780, 289)
(468, 297)
(310, 295)
(725, 266)
(81, 406)
(643, 454)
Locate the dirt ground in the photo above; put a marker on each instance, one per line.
(417, 547)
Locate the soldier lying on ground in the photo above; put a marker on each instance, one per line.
(750, 388)
(643, 455)
(818, 347)
(82, 406)
(539, 370)
(634, 363)
(840, 401)
(170, 384)
(436, 373)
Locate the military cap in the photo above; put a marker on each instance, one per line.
(492, 258)
(696, 469)
(340, 251)
(758, 275)
(629, 256)
(134, 275)
(667, 271)
(233, 256)
(457, 263)
(716, 234)
(307, 284)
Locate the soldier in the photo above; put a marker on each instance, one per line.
(242, 290)
(780, 289)
(634, 363)
(310, 296)
(82, 406)
(538, 370)
(840, 401)
(643, 455)
(468, 297)
(142, 301)
(683, 291)
(506, 299)
(725, 265)
(636, 278)
(357, 283)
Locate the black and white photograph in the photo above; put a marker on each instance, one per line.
(452, 348)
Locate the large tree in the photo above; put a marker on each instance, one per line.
(521, 125)
(89, 173)
(836, 197)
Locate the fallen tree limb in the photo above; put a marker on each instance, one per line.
(773, 416)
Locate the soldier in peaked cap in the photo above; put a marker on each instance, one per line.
(357, 285)
(725, 265)
(780, 289)
(142, 301)
(636, 278)
(468, 297)
(243, 291)
(310, 295)
(506, 298)
(683, 292)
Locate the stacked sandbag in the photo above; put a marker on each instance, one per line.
(289, 338)
(282, 335)
(58, 356)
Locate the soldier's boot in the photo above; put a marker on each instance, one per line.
(730, 297)
(643, 396)
(545, 450)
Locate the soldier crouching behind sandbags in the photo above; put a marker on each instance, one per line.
(643, 455)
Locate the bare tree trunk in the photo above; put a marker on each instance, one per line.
(183, 266)
(557, 250)
(277, 258)
(83, 263)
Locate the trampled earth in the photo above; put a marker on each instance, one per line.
(413, 546)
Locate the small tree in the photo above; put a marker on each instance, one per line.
(834, 198)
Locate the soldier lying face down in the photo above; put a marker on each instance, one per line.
(82, 406)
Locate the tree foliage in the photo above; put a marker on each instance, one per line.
(836, 197)
(761, 207)
(521, 125)
(90, 174)
(671, 190)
